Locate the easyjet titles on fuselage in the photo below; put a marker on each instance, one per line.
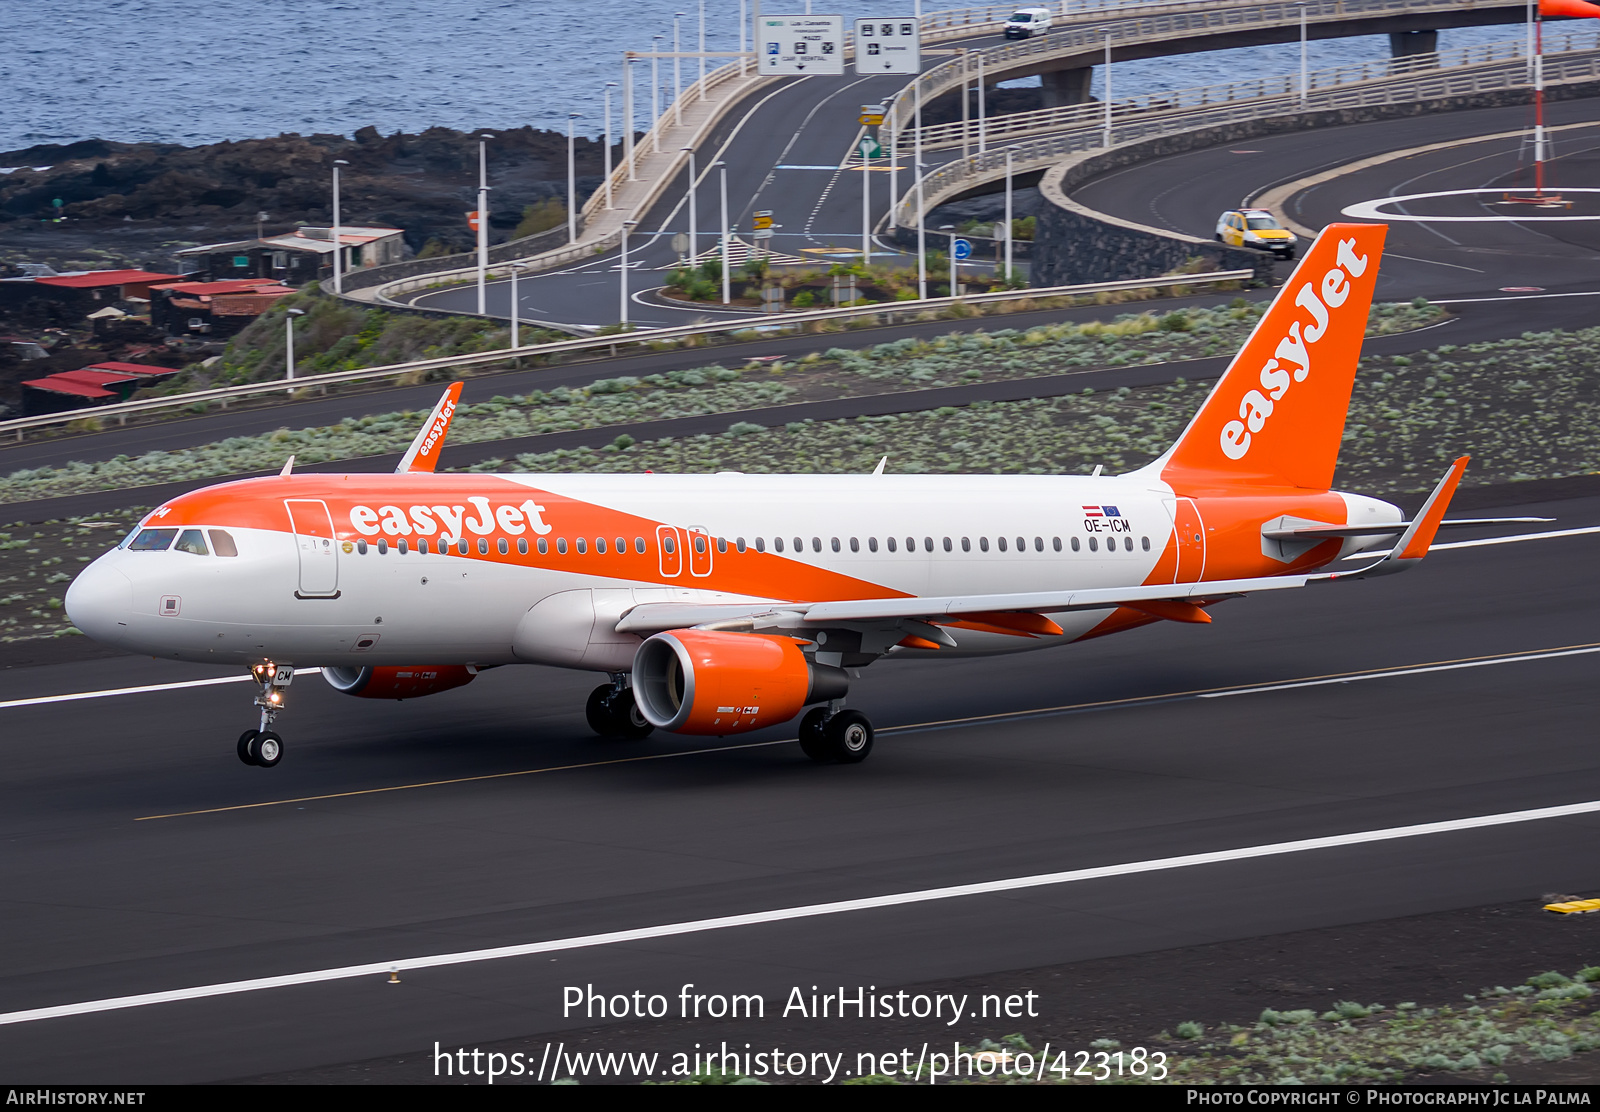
(449, 520)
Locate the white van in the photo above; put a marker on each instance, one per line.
(1028, 22)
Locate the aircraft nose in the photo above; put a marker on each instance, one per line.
(100, 601)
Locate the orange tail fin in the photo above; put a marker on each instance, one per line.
(1277, 416)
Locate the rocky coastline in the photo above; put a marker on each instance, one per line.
(133, 204)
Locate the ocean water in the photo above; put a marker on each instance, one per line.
(184, 72)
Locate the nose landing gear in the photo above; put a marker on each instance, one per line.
(262, 747)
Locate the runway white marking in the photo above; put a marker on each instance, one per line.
(1586, 531)
(1517, 297)
(110, 691)
(1391, 673)
(804, 911)
(1372, 210)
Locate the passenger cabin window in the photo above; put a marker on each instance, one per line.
(777, 544)
(1074, 544)
(191, 541)
(222, 543)
(153, 540)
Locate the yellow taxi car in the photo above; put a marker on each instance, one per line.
(1256, 228)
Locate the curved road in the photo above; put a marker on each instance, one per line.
(1186, 192)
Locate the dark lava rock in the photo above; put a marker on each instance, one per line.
(164, 195)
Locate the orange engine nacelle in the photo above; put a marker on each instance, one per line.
(399, 683)
(701, 681)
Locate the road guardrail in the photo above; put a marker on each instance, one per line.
(788, 321)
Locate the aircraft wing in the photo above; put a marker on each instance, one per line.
(1172, 601)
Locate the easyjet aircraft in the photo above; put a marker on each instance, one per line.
(723, 603)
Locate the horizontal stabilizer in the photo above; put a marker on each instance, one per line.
(1388, 528)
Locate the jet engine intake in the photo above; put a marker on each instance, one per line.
(701, 681)
(399, 683)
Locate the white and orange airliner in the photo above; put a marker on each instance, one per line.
(718, 604)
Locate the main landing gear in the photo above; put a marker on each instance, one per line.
(612, 712)
(262, 747)
(832, 735)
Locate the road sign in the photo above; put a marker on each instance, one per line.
(762, 219)
(761, 233)
(963, 248)
(680, 243)
(801, 44)
(870, 147)
(889, 44)
(472, 220)
(871, 115)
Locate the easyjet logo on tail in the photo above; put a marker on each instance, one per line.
(1276, 418)
(1291, 361)
(437, 429)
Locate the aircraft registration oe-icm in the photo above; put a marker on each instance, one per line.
(719, 604)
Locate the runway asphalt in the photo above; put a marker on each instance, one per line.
(354, 859)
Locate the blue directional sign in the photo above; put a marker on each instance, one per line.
(963, 248)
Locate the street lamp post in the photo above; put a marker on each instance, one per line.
(866, 207)
(1009, 152)
(655, 92)
(483, 218)
(741, 37)
(951, 228)
(609, 86)
(983, 123)
(627, 113)
(572, 184)
(338, 254)
(627, 226)
(727, 247)
(694, 216)
(288, 345)
(702, 50)
(922, 237)
(1108, 88)
(516, 305)
(966, 100)
(677, 72)
(1303, 83)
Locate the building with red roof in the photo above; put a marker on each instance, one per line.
(96, 384)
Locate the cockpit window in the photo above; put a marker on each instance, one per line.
(191, 541)
(153, 540)
(222, 543)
